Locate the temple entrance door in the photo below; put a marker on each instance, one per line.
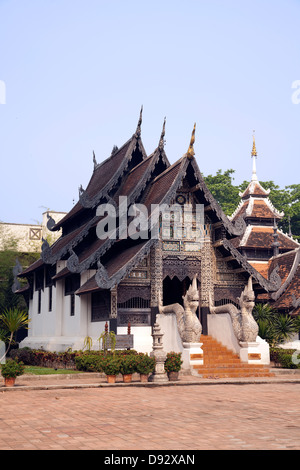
(174, 289)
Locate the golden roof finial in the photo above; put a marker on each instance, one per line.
(254, 152)
(190, 153)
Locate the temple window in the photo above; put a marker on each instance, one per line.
(100, 306)
(72, 305)
(135, 311)
(50, 299)
(72, 283)
(39, 301)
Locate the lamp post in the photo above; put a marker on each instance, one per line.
(159, 374)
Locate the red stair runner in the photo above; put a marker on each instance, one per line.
(220, 362)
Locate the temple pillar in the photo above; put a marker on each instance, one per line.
(156, 272)
(113, 309)
(207, 282)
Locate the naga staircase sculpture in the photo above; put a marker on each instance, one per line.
(189, 326)
(244, 326)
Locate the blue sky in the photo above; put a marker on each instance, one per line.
(77, 72)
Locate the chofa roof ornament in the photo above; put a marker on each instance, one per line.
(138, 129)
(190, 153)
(162, 136)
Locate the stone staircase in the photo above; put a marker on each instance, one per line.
(220, 362)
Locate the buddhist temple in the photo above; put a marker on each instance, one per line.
(117, 264)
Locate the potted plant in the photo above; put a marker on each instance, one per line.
(108, 339)
(145, 366)
(173, 364)
(128, 367)
(111, 367)
(10, 370)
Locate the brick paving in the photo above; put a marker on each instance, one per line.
(200, 415)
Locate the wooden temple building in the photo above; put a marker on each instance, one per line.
(83, 281)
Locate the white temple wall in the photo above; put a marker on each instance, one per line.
(95, 329)
(58, 307)
(40, 322)
(43, 323)
(142, 339)
(48, 317)
(168, 326)
(70, 323)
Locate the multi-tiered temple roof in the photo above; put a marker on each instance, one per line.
(140, 179)
(267, 248)
(262, 238)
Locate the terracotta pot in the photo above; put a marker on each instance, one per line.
(111, 379)
(173, 376)
(144, 377)
(9, 381)
(127, 378)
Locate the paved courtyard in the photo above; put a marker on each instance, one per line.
(187, 417)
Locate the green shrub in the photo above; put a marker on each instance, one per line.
(145, 364)
(89, 362)
(12, 368)
(22, 354)
(111, 365)
(128, 364)
(283, 358)
(173, 362)
(43, 358)
(125, 352)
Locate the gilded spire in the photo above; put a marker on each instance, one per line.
(254, 152)
(138, 129)
(162, 136)
(254, 156)
(190, 153)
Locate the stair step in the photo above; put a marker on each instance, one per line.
(219, 361)
(241, 365)
(214, 375)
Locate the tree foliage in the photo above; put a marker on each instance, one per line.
(224, 191)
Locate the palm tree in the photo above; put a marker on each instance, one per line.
(263, 315)
(11, 320)
(265, 331)
(284, 327)
(275, 328)
(263, 312)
